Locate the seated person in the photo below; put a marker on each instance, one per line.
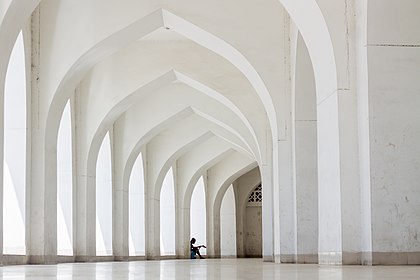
(195, 250)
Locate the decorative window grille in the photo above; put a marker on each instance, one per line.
(255, 198)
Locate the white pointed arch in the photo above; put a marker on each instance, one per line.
(219, 179)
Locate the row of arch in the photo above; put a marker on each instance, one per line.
(221, 105)
(14, 202)
(102, 117)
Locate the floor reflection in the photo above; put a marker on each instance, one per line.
(205, 269)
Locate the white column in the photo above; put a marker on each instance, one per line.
(43, 194)
(120, 199)
(305, 157)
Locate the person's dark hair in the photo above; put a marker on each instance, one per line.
(192, 240)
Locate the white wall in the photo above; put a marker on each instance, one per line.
(253, 231)
(228, 224)
(394, 126)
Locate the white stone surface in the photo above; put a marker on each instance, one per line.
(205, 269)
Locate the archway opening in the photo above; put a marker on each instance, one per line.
(228, 225)
(104, 199)
(14, 162)
(65, 185)
(167, 215)
(198, 214)
(136, 209)
(253, 224)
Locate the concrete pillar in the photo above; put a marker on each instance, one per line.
(152, 211)
(240, 220)
(340, 232)
(267, 213)
(43, 195)
(363, 124)
(120, 199)
(85, 221)
(305, 157)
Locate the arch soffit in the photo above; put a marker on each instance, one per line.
(198, 173)
(105, 115)
(312, 25)
(149, 88)
(146, 25)
(160, 127)
(207, 163)
(12, 20)
(179, 137)
(172, 104)
(179, 150)
(152, 86)
(227, 182)
(177, 153)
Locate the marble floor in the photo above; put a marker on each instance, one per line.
(205, 269)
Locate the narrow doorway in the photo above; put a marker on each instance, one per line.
(253, 224)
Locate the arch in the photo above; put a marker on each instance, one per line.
(177, 153)
(105, 48)
(149, 88)
(221, 192)
(190, 168)
(147, 137)
(142, 27)
(12, 20)
(228, 171)
(191, 183)
(312, 25)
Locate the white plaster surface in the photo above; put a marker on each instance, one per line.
(395, 153)
(253, 232)
(305, 154)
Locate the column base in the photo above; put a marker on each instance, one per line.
(307, 258)
(13, 259)
(357, 258)
(395, 258)
(268, 258)
(330, 258)
(35, 259)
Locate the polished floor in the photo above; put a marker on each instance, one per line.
(205, 269)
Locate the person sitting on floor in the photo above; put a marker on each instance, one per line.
(195, 250)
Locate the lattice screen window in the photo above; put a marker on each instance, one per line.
(255, 198)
